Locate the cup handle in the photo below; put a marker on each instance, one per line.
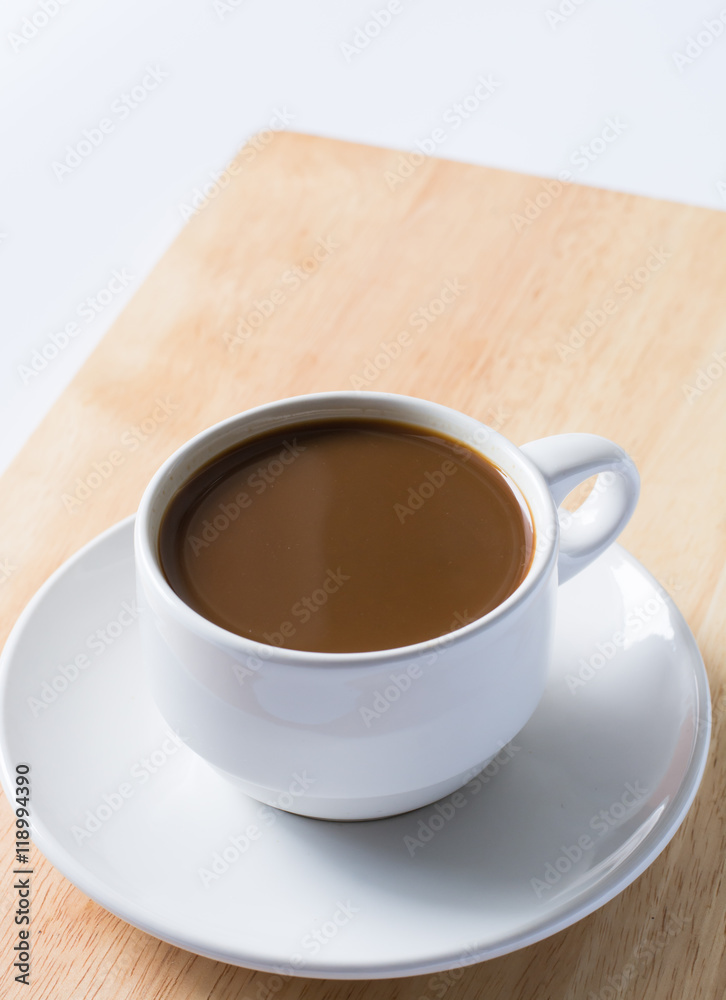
(568, 459)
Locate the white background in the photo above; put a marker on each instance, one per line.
(228, 66)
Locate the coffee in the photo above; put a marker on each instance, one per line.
(346, 535)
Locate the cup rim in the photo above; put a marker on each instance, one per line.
(544, 522)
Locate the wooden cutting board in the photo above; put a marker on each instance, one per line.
(325, 265)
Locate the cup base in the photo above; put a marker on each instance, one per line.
(352, 810)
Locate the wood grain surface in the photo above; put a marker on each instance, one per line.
(571, 309)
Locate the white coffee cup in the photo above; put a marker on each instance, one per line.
(352, 736)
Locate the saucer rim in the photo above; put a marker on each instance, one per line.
(565, 915)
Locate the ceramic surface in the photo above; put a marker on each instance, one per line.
(564, 817)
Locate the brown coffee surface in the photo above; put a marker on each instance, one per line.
(346, 536)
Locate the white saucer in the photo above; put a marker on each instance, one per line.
(613, 761)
